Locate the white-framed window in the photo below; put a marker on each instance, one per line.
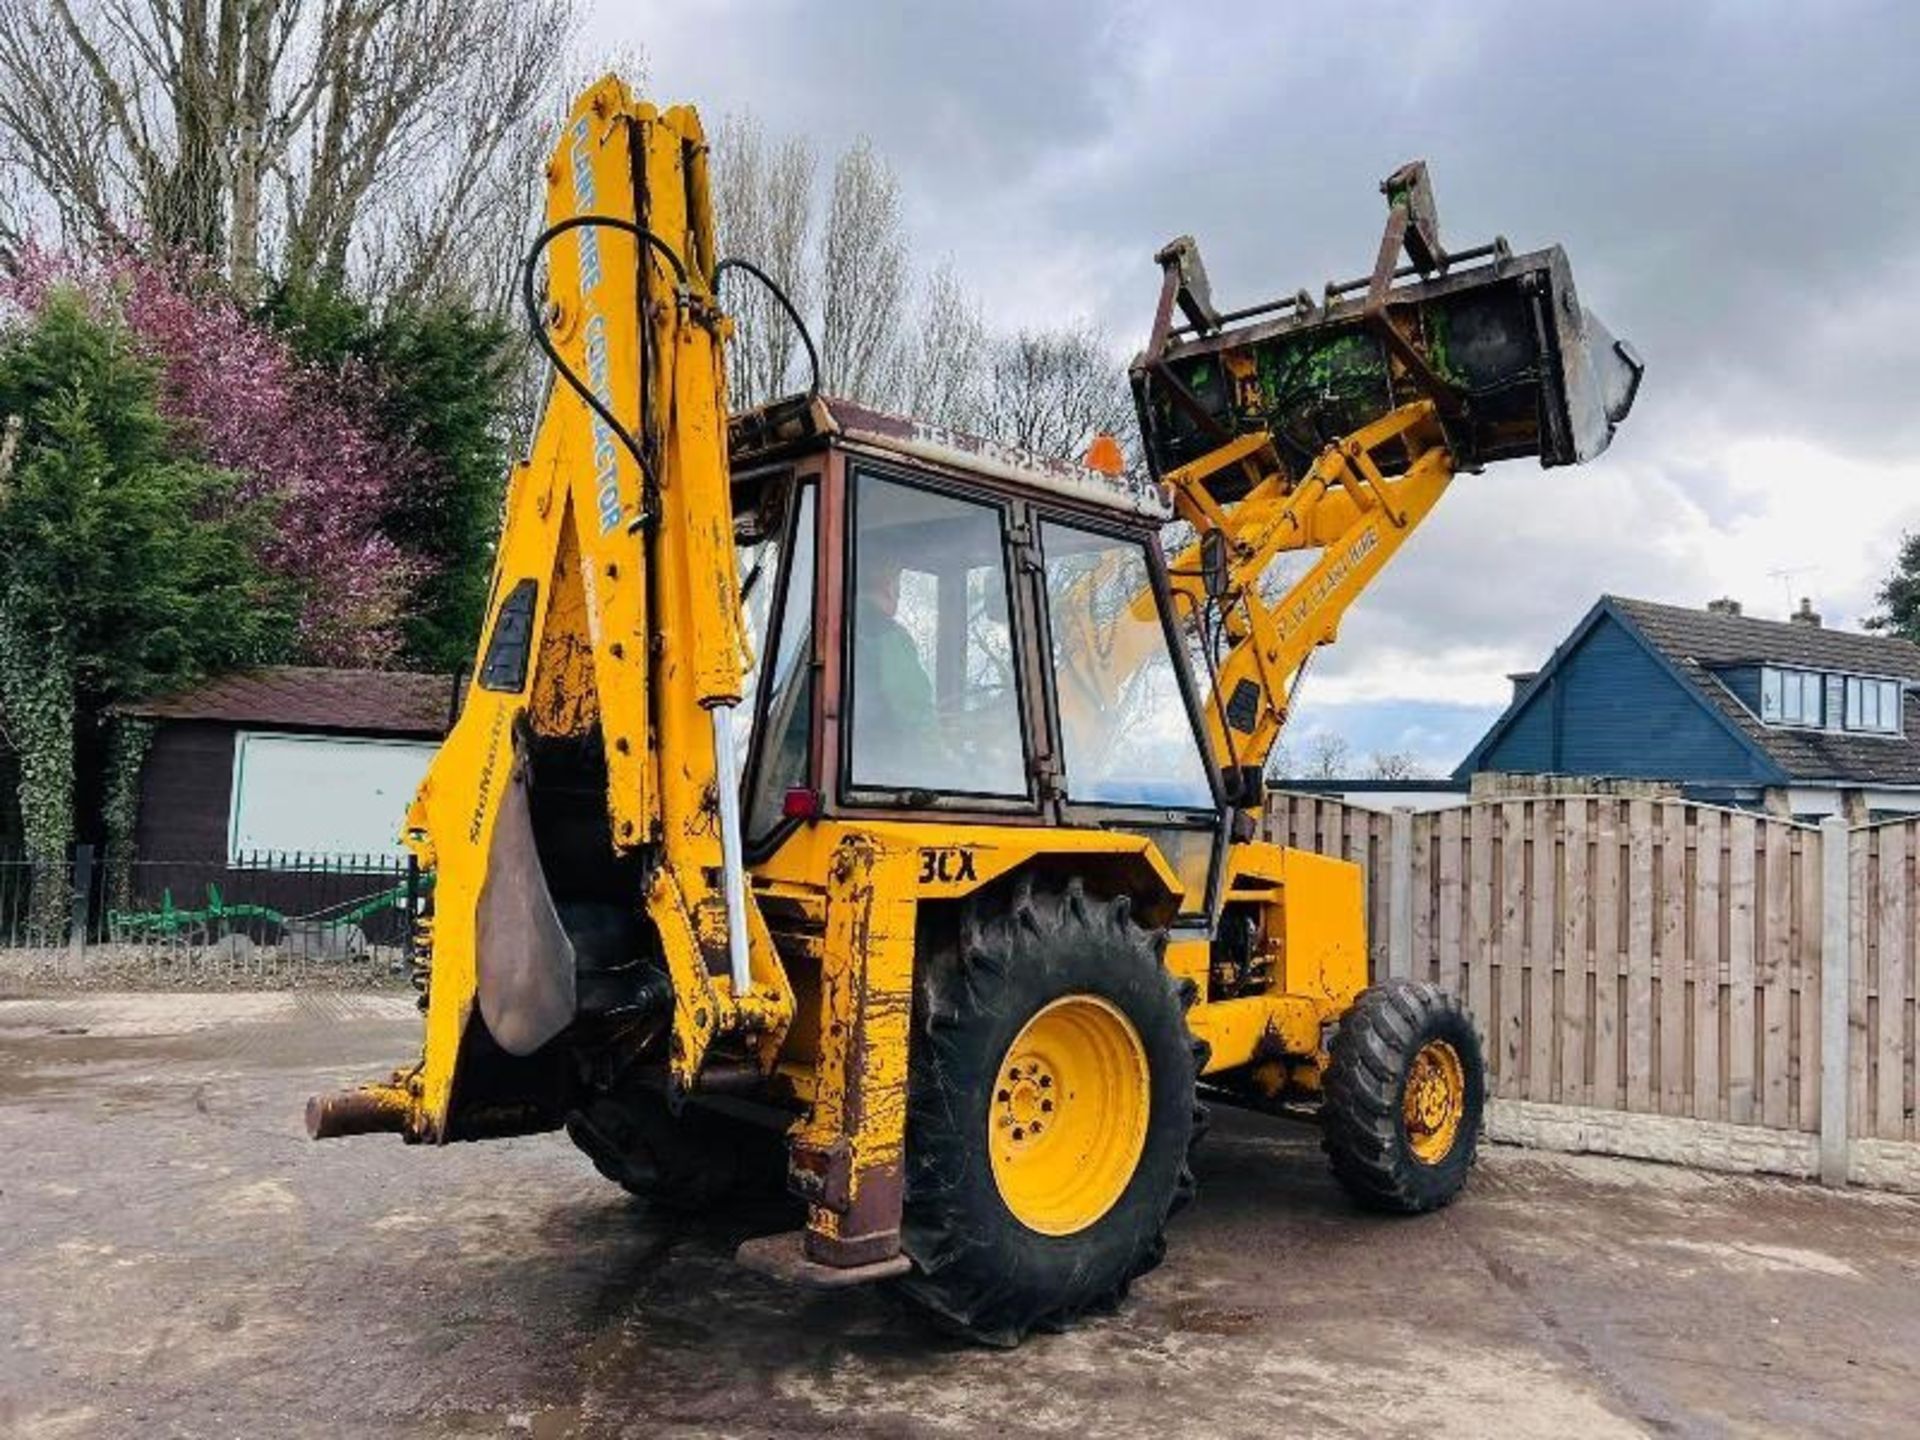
(1791, 697)
(1873, 705)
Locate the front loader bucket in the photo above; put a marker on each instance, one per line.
(1514, 363)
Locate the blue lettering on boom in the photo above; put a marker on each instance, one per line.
(606, 458)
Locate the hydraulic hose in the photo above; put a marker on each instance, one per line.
(734, 262)
(537, 322)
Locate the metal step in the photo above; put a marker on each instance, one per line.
(784, 1257)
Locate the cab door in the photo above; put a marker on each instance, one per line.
(1122, 706)
(936, 708)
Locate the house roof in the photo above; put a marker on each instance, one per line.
(1697, 642)
(295, 697)
(1692, 645)
(1714, 638)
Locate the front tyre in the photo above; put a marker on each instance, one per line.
(1404, 1091)
(1050, 1107)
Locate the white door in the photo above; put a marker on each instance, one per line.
(322, 795)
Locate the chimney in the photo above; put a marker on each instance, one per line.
(1521, 680)
(1725, 605)
(1806, 615)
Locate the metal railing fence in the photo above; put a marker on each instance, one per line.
(260, 916)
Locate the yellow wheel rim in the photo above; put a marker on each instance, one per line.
(1068, 1117)
(1434, 1102)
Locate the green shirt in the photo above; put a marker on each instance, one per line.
(893, 699)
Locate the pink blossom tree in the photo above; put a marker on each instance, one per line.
(246, 403)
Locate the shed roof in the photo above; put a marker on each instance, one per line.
(297, 697)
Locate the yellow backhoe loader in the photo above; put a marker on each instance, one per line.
(836, 788)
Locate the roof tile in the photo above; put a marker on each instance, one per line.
(1699, 641)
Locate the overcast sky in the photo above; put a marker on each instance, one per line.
(1738, 186)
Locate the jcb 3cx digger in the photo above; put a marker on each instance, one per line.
(828, 776)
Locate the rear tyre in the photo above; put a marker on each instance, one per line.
(1404, 1091)
(690, 1162)
(1050, 1109)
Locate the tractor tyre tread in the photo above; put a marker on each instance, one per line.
(977, 1269)
(690, 1163)
(1362, 1129)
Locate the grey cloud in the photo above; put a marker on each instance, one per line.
(1737, 185)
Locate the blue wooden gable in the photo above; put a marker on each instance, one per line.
(1608, 703)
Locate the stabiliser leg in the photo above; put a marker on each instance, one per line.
(848, 1154)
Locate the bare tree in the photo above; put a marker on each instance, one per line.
(1393, 765)
(864, 270)
(945, 357)
(1327, 757)
(1050, 392)
(763, 203)
(391, 139)
(884, 341)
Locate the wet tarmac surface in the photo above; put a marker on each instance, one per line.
(176, 1258)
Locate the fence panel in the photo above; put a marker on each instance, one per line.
(1657, 957)
(1573, 1005)
(1800, 1053)
(1605, 928)
(1881, 1013)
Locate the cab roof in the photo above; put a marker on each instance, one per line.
(802, 422)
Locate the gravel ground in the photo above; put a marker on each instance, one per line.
(177, 1259)
(199, 967)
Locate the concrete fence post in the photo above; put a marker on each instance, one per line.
(1400, 894)
(1836, 962)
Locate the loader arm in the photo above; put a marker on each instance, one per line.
(1448, 362)
(1344, 507)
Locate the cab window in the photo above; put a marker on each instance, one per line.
(935, 703)
(782, 637)
(1126, 735)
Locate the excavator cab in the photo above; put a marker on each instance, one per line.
(948, 632)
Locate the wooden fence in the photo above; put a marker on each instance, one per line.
(1652, 956)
